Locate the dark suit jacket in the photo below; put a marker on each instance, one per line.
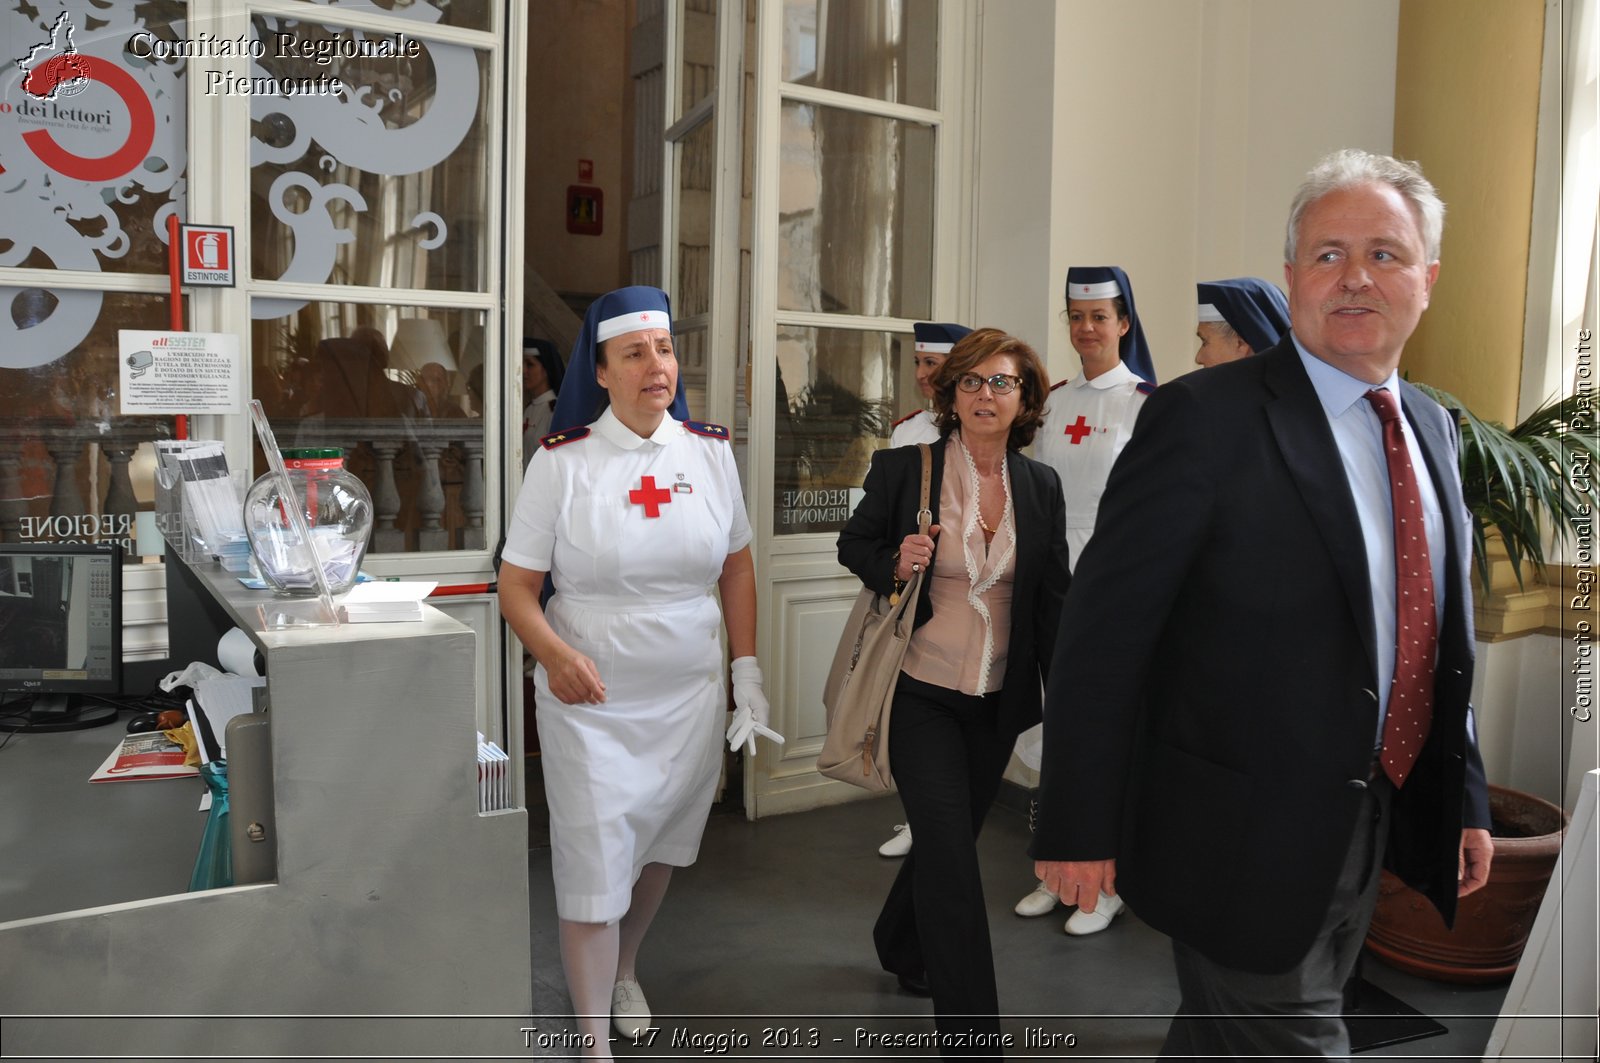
(888, 513)
(1212, 714)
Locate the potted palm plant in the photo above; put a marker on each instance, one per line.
(1517, 482)
(1519, 486)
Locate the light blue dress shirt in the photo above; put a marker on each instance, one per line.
(1359, 435)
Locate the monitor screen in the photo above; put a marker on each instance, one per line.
(60, 619)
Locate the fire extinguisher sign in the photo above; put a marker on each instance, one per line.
(207, 255)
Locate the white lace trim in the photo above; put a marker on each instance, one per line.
(975, 586)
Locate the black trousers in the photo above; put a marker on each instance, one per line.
(947, 754)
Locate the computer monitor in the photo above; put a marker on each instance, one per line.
(60, 635)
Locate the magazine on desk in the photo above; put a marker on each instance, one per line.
(151, 755)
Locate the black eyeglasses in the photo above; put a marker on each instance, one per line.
(1000, 383)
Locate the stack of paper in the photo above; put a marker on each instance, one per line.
(494, 777)
(382, 601)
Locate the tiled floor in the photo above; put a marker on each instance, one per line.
(769, 936)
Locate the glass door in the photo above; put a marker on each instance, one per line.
(700, 218)
(859, 192)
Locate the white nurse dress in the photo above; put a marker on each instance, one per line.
(915, 427)
(1086, 425)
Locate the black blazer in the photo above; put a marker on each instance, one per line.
(888, 513)
(1212, 717)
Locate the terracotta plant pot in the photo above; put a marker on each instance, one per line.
(1492, 924)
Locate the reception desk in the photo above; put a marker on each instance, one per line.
(393, 895)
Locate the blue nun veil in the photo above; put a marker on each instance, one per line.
(1108, 282)
(1254, 309)
(625, 310)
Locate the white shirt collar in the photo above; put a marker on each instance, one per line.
(1117, 374)
(1338, 390)
(609, 427)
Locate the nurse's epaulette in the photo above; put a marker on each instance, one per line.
(561, 439)
(706, 428)
(907, 417)
(1061, 384)
(1144, 387)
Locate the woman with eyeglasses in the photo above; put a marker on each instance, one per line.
(984, 629)
(1087, 422)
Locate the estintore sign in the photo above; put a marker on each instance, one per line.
(207, 255)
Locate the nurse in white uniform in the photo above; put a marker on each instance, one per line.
(638, 518)
(541, 382)
(1088, 420)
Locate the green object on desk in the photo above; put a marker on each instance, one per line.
(213, 868)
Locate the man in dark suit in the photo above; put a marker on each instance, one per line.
(1242, 723)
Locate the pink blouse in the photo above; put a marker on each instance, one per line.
(959, 648)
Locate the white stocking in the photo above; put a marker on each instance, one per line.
(642, 908)
(589, 957)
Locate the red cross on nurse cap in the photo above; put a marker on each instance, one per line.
(938, 338)
(1110, 282)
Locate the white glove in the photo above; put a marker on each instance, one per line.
(751, 711)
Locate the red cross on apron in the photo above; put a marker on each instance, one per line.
(1078, 430)
(649, 496)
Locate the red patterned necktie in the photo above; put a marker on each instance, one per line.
(1416, 621)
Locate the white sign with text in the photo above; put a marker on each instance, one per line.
(180, 372)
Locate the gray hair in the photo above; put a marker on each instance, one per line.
(1348, 167)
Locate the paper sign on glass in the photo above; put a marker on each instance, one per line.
(180, 372)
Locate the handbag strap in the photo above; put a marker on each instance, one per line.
(924, 514)
(924, 522)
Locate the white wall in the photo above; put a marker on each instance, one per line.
(1013, 285)
(1524, 691)
(1164, 137)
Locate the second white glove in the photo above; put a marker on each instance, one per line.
(751, 710)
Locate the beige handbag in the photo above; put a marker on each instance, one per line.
(860, 687)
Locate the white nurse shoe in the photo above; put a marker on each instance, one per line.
(899, 845)
(630, 1013)
(1105, 910)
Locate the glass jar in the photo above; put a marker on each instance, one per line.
(338, 512)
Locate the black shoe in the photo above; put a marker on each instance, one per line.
(915, 984)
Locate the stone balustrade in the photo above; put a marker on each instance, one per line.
(65, 445)
(389, 441)
(401, 460)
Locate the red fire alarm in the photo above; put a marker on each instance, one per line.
(586, 170)
(585, 210)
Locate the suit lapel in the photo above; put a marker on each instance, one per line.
(1308, 448)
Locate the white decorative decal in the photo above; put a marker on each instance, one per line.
(315, 237)
(429, 217)
(368, 127)
(84, 127)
